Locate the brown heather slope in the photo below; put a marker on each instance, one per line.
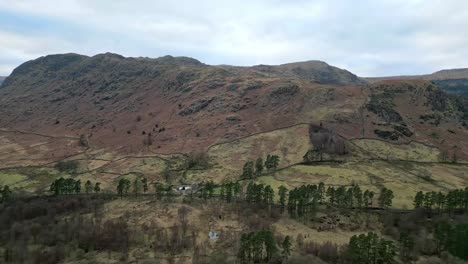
(180, 103)
(140, 106)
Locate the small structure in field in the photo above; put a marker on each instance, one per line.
(213, 235)
(184, 188)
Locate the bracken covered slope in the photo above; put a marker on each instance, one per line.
(170, 104)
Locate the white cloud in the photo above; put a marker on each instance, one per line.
(367, 37)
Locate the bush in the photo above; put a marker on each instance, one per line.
(197, 160)
(67, 166)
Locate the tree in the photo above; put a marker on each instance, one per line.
(268, 195)
(77, 186)
(358, 196)
(5, 193)
(88, 187)
(228, 191)
(386, 198)
(321, 191)
(282, 193)
(144, 182)
(368, 197)
(236, 188)
(258, 166)
(370, 249)
(137, 186)
(406, 246)
(97, 187)
(257, 247)
(123, 186)
(418, 200)
(286, 245)
(158, 190)
(248, 170)
(272, 162)
(331, 195)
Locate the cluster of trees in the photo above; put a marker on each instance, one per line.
(259, 194)
(71, 186)
(230, 191)
(303, 200)
(139, 185)
(452, 238)
(252, 170)
(352, 197)
(453, 200)
(370, 249)
(65, 186)
(5, 193)
(258, 247)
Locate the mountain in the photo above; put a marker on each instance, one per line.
(2, 78)
(181, 103)
(178, 120)
(453, 81)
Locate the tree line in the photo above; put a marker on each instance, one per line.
(304, 199)
(71, 186)
(252, 170)
(453, 200)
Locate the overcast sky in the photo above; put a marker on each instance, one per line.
(369, 38)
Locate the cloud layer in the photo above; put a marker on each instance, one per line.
(369, 38)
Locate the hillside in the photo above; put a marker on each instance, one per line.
(2, 78)
(176, 104)
(121, 116)
(452, 81)
(159, 124)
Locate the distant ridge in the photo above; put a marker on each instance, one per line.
(452, 81)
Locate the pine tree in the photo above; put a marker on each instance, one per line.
(331, 195)
(229, 192)
(418, 200)
(5, 193)
(282, 193)
(77, 187)
(286, 245)
(259, 167)
(137, 186)
(236, 188)
(248, 170)
(321, 192)
(97, 187)
(268, 195)
(88, 187)
(144, 182)
(386, 198)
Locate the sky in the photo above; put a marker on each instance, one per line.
(368, 38)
